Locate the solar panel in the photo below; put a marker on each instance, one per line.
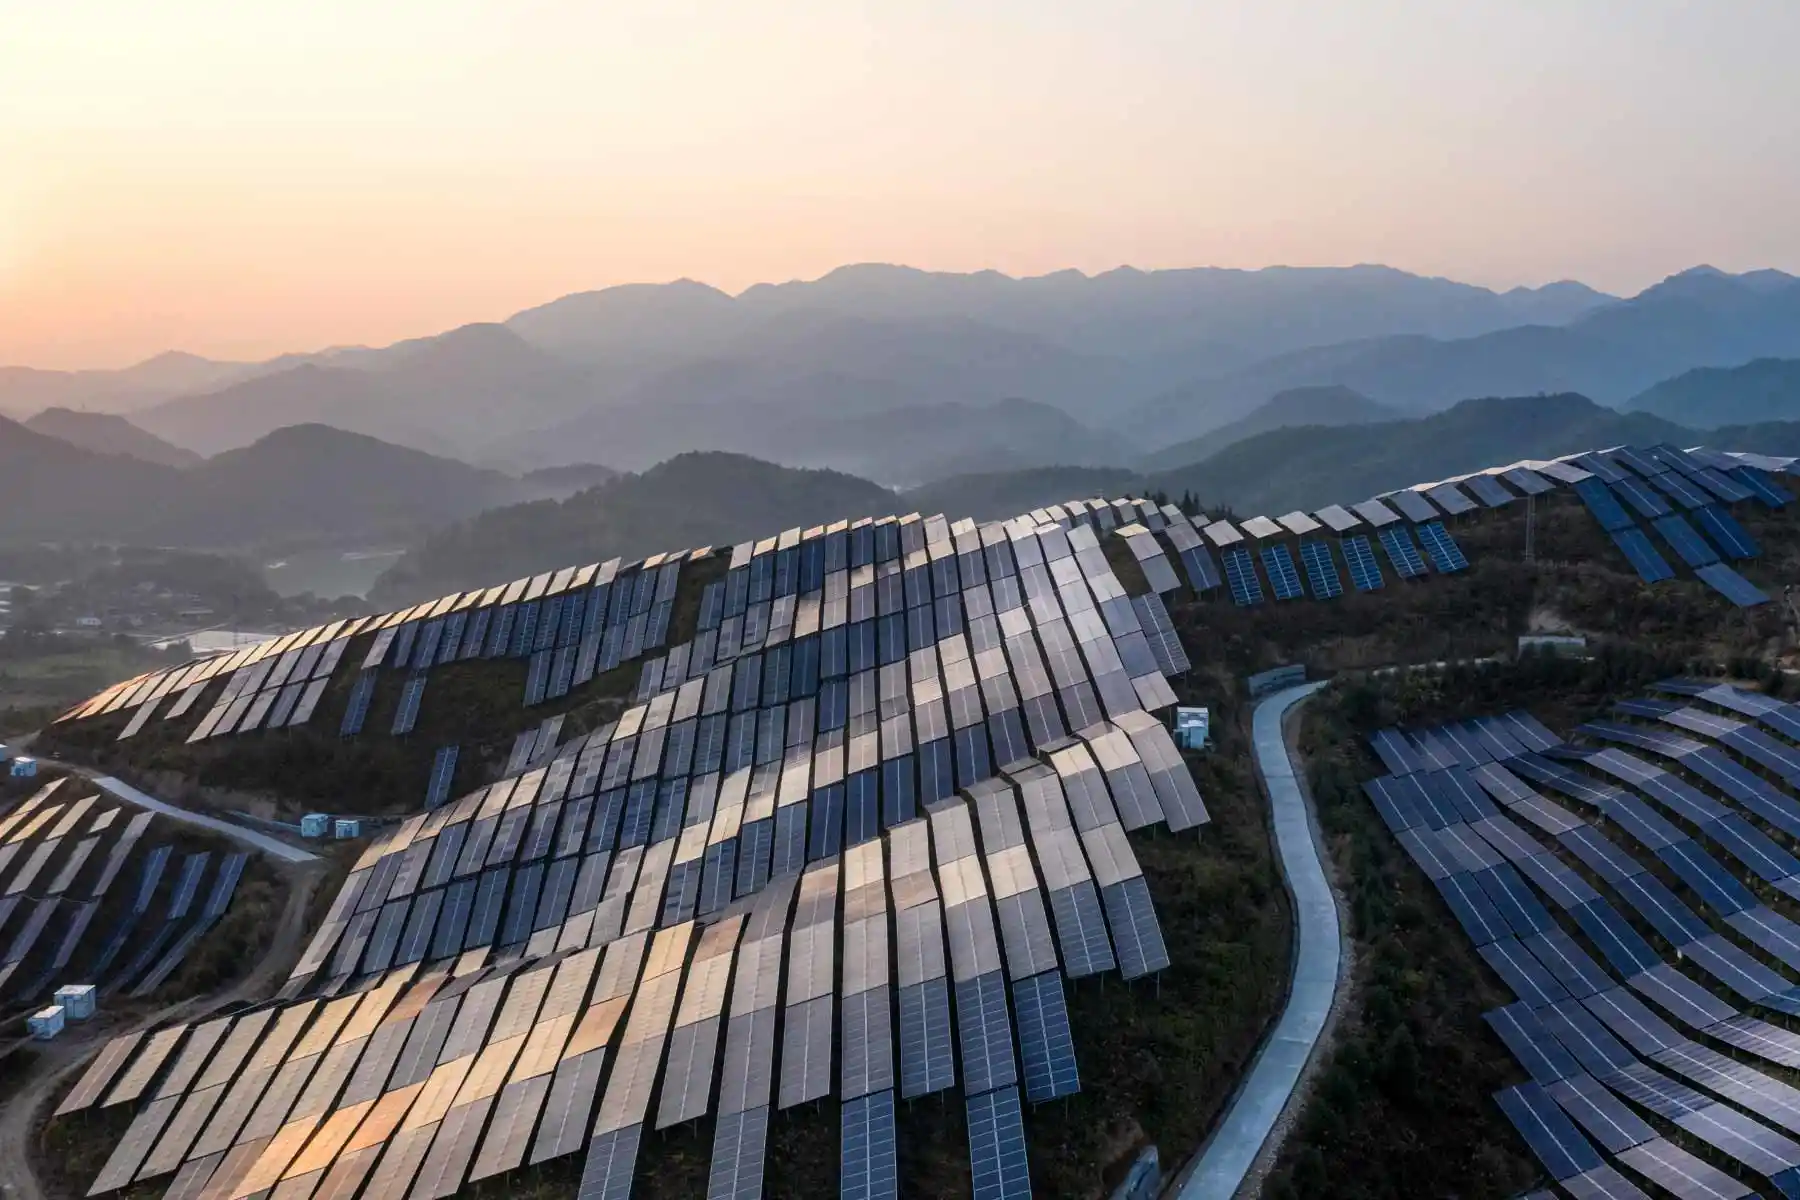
(1283, 578)
(925, 1056)
(1734, 587)
(1445, 554)
(1046, 1045)
(1240, 576)
(1725, 530)
(1449, 498)
(1762, 486)
(1675, 484)
(985, 1034)
(1136, 932)
(1550, 1134)
(1489, 491)
(1365, 573)
(869, 1166)
(357, 709)
(1401, 551)
(1641, 497)
(739, 1147)
(1604, 505)
(1650, 566)
(997, 1162)
(1685, 540)
(1321, 573)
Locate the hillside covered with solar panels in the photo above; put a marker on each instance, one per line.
(862, 858)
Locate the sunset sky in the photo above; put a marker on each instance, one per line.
(240, 179)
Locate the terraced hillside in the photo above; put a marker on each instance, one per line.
(767, 850)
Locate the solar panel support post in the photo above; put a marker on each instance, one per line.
(1530, 529)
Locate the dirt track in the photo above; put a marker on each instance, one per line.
(23, 1115)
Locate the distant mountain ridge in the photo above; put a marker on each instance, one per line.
(1700, 317)
(1766, 389)
(644, 371)
(1310, 467)
(106, 433)
(692, 500)
(1328, 405)
(303, 482)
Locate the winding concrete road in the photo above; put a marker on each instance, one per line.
(272, 846)
(1220, 1170)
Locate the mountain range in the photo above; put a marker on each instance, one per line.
(109, 433)
(1308, 467)
(808, 373)
(304, 482)
(1767, 389)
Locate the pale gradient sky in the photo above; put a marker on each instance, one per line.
(244, 178)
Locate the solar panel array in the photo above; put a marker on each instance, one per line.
(61, 858)
(579, 622)
(1677, 792)
(903, 737)
(1685, 495)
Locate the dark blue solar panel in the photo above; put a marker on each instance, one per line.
(1732, 537)
(997, 1162)
(1763, 486)
(1682, 488)
(1202, 572)
(1604, 505)
(407, 715)
(611, 1162)
(984, 1032)
(1553, 1138)
(870, 1167)
(443, 771)
(1623, 947)
(1136, 933)
(1686, 540)
(537, 678)
(1533, 1045)
(1638, 494)
(1046, 1046)
(1471, 908)
(1515, 900)
(1365, 572)
(1734, 587)
(1240, 576)
(1081, 930)
(926, 1062)
(1650, 566)
(1528, 978)
(1401, 551)
(1321, 573)
(1445, 554)
(357, 711)
(1283, 578)
(1715, 885)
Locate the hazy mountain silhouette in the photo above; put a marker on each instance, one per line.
(1328, 405)
(106, 433)
(446, 395)
(27, 390)
(1700, 317)
(1767, 389)
(693, 500)
(306, 482)
(1308, 467)
(654, 369)
(996, 495)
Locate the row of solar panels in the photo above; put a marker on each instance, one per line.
(1317, 561)
(574, 623)
(1675, 491)
(58, 864)
(945, 892)
(709, 794)
(1589, 1043)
